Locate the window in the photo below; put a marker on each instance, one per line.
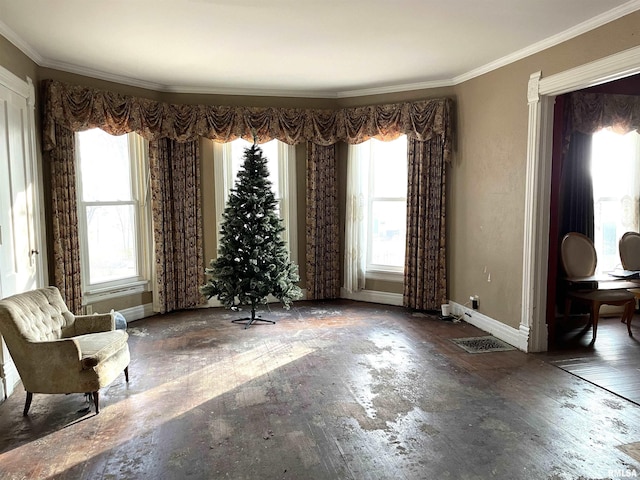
(387, 205)
(615, 170)
(113, 215)
(376, 211)
(282, 174)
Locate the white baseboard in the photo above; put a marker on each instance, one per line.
(519, 338)
(373, 297)
(136, 313)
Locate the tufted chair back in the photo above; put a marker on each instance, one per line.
(39, 316)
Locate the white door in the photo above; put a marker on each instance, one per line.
(20, 233)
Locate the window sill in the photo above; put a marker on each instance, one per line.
(97, 295)
(384, 275)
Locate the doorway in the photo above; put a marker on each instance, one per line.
(541, 95)
(595, 208)
(21, 245)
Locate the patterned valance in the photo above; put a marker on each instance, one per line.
(590, 112)
(78, 108)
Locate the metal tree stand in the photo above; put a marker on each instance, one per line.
(247, 321)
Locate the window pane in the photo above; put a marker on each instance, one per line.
(614, 164)
(104, 166)
(389, 162)
(269, 150)
(388, 232)
(111, 242)
(616, 182)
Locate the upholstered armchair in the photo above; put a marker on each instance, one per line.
(57, 352)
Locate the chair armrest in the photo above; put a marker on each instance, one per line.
(94, 323)
(63, 353)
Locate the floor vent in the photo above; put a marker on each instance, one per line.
(482, 344)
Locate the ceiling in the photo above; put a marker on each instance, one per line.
(304, 48)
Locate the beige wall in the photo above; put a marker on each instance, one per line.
(487, 176)
(16, 62)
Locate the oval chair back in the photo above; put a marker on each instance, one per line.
(578, 254)
(629, 247)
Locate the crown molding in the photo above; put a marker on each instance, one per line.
(609, 16)
(552, 41)
(23, 46)
(255, 92)
(101, 75)
(158, 87)
(394, 88)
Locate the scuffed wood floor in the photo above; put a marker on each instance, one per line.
(334, 390)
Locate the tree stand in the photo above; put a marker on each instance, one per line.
(247, 321)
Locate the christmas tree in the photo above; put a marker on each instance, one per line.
(253, 260)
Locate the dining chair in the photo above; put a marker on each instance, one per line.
(579, 259)
(629, 249)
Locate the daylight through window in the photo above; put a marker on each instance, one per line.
(111, 212)
(615, 170)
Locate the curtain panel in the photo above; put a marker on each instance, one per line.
(425, 273)
(323, 235)
(64, 210)
(576, 188)
(354, 222)
(177, 224)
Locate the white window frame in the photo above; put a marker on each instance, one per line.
(375, 271)
(139, 163)
(224, 181)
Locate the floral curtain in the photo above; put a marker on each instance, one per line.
(66, 250)
(77, 108)
(590, 112)
(177, 224)
(323, 239)
(425, 279)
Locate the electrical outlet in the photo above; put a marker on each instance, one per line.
(475, 301)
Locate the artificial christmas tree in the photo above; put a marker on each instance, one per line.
(253, 261)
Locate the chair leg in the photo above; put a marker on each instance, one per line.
(27, 404)
(96, 401)
(595, 314)
(126, 373)
(630, 308)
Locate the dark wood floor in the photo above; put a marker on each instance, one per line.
(334, 390)
(612, 362)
